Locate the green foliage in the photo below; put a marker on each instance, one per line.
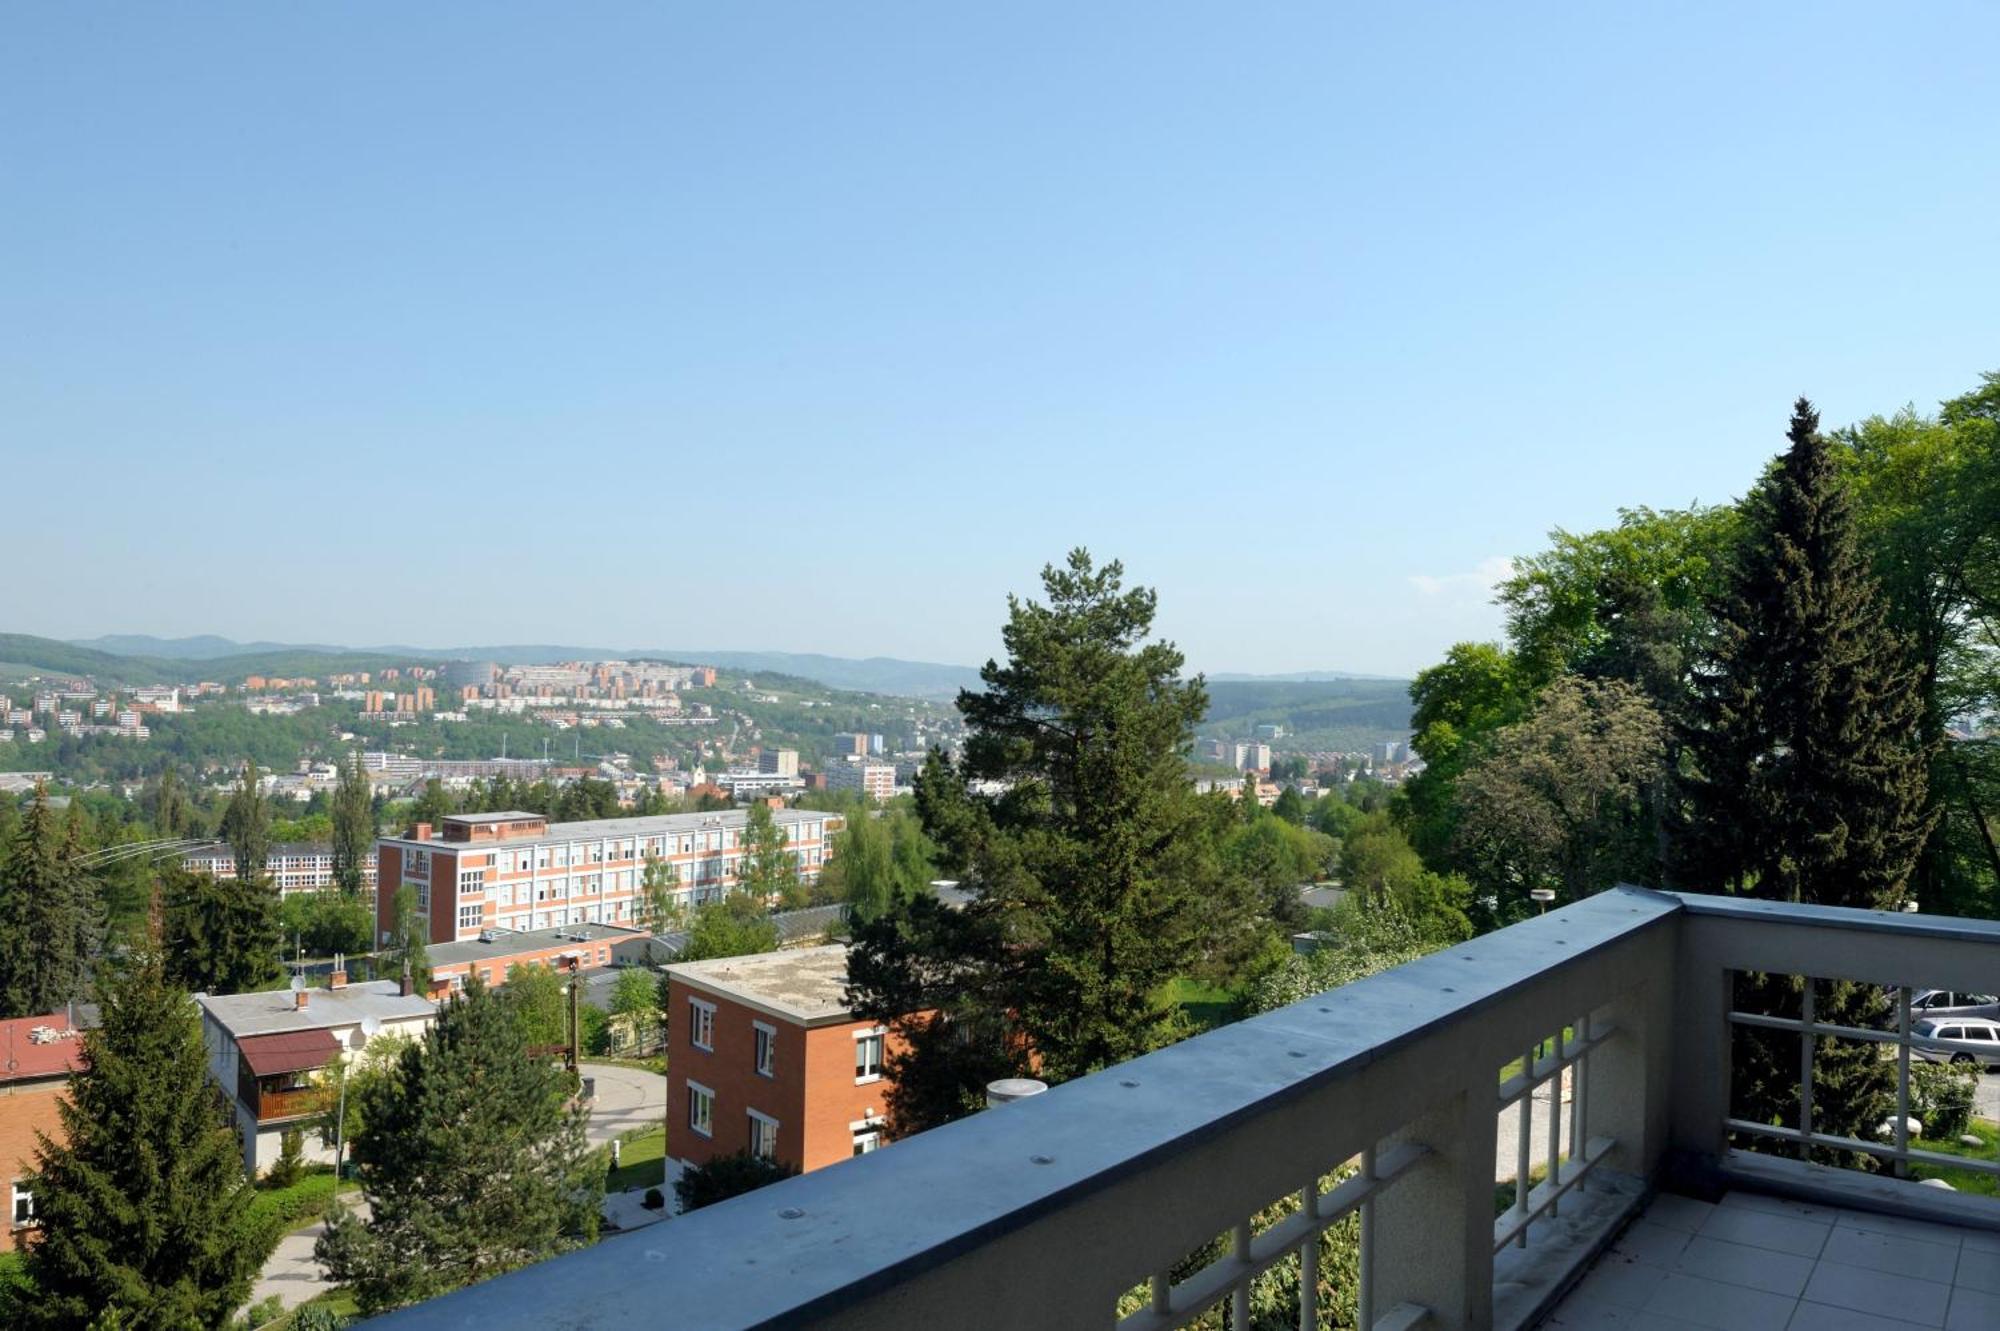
(1942, 1096)
(1365, 940)
(735, 926)
(535, 995)
(1567, 799)
(634, 993)
(366, 1074)
(146, 1213)
(48, 915)
(317, 1317)
(246, 825)
(728, 1176)
(878, 862)
(408, 951)
(325, 923)
(353, 827)
(221, 934)
(290, 1165)
(473, 1160)
(659, 899)
(1095, 876)
(770, 871)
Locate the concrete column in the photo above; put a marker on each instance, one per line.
(1433, 1227)
(1630, 1078)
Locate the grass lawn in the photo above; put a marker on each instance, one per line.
(1206, 1005)
(1965, 1180)
(657, 1064)
(643, 1161)
(340, 1300)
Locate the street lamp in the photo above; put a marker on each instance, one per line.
(370, 1027)
(1542, 896)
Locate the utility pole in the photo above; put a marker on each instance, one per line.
(575, 1051)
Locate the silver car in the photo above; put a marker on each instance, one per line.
(1956, 1040)
(1953, 1003)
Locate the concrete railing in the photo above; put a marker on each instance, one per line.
(1048, 1212)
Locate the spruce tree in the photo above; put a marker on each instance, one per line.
(222, 934)
(473, 1159)
(172, 814)
(1805, 779)
(353, 827)
(144, 1205)
(48, 916)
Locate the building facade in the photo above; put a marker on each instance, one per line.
(875, 780)
(764, 1054)
(294, 866)
(37, 1054)
(519, 871)
(270, 1053)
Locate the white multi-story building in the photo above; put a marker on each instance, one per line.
(519, 871)
(294, 866)
(876, 780)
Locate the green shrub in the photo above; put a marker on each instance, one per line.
(291, 1164)
(1941, 1097)
(653, 1200)
(727, 1176)
(317, 1317)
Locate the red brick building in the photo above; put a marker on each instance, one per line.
(763, 1053)
(36, 1056)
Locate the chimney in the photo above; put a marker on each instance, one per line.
(420, 832)
(406, 976)
(337, 980)
(300, 999)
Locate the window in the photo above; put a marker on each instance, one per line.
(23, 1208)
(701, 1024)
(767, 1042)
(763, 1135)
(468, 916)
(868, 1056)
(471, 882)
(701, 1109)
(423, 896)
(867, 1141)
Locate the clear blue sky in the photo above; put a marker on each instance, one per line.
(822, 327)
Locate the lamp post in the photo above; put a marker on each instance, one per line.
(1542, 896)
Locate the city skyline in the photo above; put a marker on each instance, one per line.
(1313, 319)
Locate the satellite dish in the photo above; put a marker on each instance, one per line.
(370, 1027)
(298, 983)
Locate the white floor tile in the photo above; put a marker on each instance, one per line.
(1820, 1317)
(1981, 1240)
(1879, 1292)
(1973, 1310)
(1870, 1222)
(1978, 1269)
(1757, 1201)
(1753, 1268)
(1620, 1280)
(1763, 1229)
(1647, 1242)
(1891, 1253)
(1678, 1212)
(1713, 1304)
(1590, 1316)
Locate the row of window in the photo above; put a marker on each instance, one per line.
(763, 1129)
(690, 843)
(701, 1033)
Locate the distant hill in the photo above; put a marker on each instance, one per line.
(206, 647)
(1296, 677)
(1339, 714)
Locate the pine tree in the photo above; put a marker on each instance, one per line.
(1806, 779)
(1095, 877)
(246, 825)
(221, 933)
(172, 814)
(473, 1159)
(48, 916)
(145, 1207)
(353, 827)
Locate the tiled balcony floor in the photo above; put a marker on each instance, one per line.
(1756, 1263)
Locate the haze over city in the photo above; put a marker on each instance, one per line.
(824, 334)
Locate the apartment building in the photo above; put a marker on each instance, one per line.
(519, 871)
(778, 762)
(763, 1053)
(589, 946)
(269, 1053)
(875, 780)
(294, 866)
(850, 745)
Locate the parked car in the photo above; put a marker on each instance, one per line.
(1953, 1003)
(1956, 1040)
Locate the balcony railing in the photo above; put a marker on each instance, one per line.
(1045, 1212)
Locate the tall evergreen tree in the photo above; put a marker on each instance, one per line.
(48, 916)
(246, 825)
(472, 1157)
(173, 815)
(353, 827)
(221, 933)
(1808, 762)
(1095, 876)
(144, 1204)
(1805, 779)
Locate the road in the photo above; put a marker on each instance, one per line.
(1506, 1162)
(627, 1098)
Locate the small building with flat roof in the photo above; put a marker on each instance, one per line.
(764, 1054)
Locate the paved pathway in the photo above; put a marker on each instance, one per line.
(627, 1098)
(1506, 1161)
